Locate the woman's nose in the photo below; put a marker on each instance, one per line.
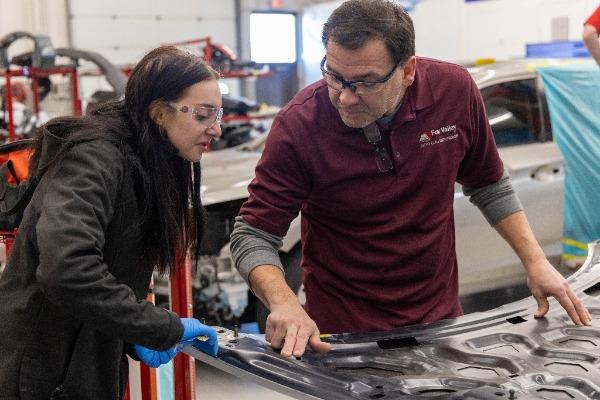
(215, 131)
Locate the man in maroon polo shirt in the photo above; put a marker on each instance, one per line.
(370, 155)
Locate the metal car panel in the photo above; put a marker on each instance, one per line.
(226, 174)
(499, 354)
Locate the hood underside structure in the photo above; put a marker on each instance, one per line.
(504, 353)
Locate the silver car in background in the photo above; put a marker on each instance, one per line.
(518, 113)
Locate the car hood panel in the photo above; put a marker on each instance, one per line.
(502, 353)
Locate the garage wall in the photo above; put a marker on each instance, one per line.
(123, 31)
(456, 30)
(47, 17)
(460, 31)
(448, 29)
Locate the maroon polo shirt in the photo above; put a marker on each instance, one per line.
(377, 248)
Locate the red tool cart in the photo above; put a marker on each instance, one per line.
(34, 74)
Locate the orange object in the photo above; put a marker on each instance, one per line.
(20, 161)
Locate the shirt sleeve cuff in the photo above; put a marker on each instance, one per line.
(496, 211)
(496, 201)
(257, 257)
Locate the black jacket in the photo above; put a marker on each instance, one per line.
(72, 294)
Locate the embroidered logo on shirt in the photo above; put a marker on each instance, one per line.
(425, 137)
(437, 136)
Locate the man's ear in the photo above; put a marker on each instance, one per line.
(409, 70)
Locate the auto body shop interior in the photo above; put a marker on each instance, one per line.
(299, 199)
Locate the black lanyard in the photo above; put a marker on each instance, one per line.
(373, 136)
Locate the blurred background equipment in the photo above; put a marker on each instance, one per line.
(42, 55)
(46, 82)
(221, 57)
(19, 107)
(243, 120)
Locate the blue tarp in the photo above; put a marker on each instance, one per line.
(573, 93)
(571, 48)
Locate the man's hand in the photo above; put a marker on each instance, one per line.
(545, 281)
(542, 278)
(290, 328)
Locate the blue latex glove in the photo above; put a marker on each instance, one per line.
(192, 328)
(155, 358)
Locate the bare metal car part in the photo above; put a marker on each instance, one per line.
(500, 354)
(115, 77)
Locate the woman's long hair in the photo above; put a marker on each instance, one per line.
(167, 186)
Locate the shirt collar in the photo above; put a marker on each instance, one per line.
(418, 96)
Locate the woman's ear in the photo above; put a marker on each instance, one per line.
(157, 113)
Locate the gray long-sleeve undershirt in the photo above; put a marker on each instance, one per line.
(251, 247)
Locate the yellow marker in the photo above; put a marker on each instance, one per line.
(484, 61)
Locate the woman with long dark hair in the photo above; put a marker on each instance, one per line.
(118, 196)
